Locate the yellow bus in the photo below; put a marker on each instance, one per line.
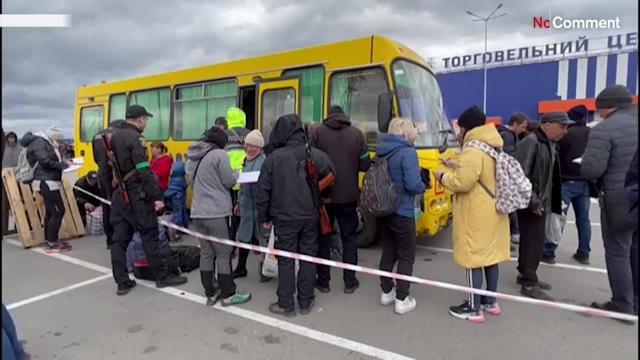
(372, 78)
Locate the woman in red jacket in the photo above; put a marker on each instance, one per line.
(161, 164)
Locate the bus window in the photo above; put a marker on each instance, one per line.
(311, 90)
(196, 107)
(276, 103)
(156, 102)
(90, 122)
(357, 93)
(117, 107)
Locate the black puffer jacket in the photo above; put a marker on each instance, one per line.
(40, 151)
(345, 146)
(610, 148)
(509, 140)
(539, 159)
(283, 192)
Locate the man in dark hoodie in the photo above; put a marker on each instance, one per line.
(575, 188)
(286, 198)
(347, 149)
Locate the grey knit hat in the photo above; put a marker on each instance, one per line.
(556, 116)
(613, 97)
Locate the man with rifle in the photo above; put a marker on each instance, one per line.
(288, 196)
(135, 200)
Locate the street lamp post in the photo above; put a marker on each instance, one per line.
(484, 63)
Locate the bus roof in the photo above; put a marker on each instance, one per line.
(360, 51)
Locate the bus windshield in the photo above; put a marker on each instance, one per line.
(420, 100)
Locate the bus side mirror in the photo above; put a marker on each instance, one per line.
(384, 112)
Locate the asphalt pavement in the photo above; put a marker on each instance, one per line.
(65, 307)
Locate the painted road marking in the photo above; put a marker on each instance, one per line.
(243, 313)
(57, 292)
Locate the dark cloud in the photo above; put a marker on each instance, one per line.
(109, 40)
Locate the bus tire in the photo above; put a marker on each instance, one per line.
(366, 230)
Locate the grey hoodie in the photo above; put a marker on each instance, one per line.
(211, 189)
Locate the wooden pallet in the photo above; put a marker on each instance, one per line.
(29, 210)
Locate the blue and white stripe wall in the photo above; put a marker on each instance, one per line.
(520, 87)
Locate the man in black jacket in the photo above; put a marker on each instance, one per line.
(539, 159)
(145, 198)
(87, 203)
(105, 175)
(575, 188)
(285, 197)
(610, 148)
(347, 149)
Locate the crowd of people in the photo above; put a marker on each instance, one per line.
(309, 177)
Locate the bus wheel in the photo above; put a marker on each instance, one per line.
(366, 230)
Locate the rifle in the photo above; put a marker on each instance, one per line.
(116, 169)
(316, 186)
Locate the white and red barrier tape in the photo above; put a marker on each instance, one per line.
(557, 305)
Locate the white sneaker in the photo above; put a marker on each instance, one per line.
(388, 298)
(408, 304)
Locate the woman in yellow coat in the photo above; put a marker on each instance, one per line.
(480, 233)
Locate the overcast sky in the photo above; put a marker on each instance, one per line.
(110, 40)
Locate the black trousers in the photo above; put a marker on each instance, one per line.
(106, 219)
(125, 222)
(532, 238)
(54, 212)
(300, 237)
(398, 237)
(347, 217)
(619, 232)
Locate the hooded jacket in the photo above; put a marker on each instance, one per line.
(611, 146)
(40, 150)
(347, 149)
(509, 139)
(404, 171)
(11, 152)
(480, 233)
(284, 193)
(177, 183)
(538, 157)
(211, 197)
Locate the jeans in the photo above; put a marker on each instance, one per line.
(11, 347)
(398, 237)
(348, 222)
(576, 194)
(474, 278)
(220, 254)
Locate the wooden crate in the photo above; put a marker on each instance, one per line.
(29, 210)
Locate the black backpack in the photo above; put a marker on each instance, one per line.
(188, 257)
(378, 196)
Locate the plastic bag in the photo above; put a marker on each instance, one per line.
(270, 263)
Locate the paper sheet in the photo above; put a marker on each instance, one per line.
(71, 168)
(78, 160)
(248, 177)
(577, 160)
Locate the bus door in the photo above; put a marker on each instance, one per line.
(92, 120)
(276, 98)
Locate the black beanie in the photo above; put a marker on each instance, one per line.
(471, 118)
(216, 136)
(578, 114)
(613, 97)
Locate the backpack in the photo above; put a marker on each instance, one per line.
(188, 257)
(513, 189)
(378, 195)
(24, 170)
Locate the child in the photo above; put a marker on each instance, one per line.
(174, 197)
